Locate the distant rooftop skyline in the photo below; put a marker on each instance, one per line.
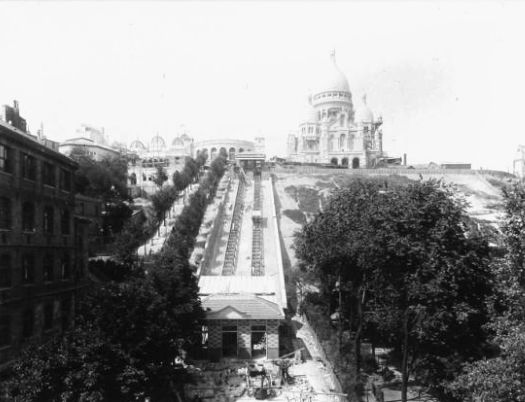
(446, 77)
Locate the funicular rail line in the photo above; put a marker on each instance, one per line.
(232, 247)
(257, 231)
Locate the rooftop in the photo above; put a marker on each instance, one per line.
(241, 306)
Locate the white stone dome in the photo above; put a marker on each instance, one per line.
(363, 113)
(331, 79)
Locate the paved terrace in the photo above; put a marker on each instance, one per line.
(267, 280)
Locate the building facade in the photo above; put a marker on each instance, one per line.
(92, 142)
(230, 146)
(242, 326)
(41, 263)
(143, 161)
(332, 130)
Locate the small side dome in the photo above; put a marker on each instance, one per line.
(137, 146)
(309, 115)
(363, 113)
(157, 143)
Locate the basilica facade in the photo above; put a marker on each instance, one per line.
(335, 131)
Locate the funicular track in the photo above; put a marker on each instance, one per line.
(234, 237)
(257, 234)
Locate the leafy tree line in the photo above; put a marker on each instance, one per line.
(122, 346)
(127, 333)
(181, 240)
(500, 376)
(164, 198)
(397, 265)
(136, 231)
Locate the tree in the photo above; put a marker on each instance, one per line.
(332, 246)
(160, 176)
(115, 216)
(403, 251)
(436, 281)
(162, 201)
(180, 181)
(500, 376)
(124, 342)
(106, 179)
(81, 366)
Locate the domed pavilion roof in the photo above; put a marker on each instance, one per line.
(309, 114)
(137, 145)
(157, 143)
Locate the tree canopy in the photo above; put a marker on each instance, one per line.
(500, 376)
(106, 178)
(400, 260)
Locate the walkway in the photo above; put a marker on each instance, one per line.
(154, 244)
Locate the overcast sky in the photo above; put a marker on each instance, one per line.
(448, 78)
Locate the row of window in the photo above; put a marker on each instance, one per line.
(28, 267)
(332, 95)
(311, 130)
(28, 217)
(28, 168)
(29, 320)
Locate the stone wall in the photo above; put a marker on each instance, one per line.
(244, 337)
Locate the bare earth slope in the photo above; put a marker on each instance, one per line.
(301, 195)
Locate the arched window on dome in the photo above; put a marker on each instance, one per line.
(342, 120)
(310, 130)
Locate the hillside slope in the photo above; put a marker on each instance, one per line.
(301, 195)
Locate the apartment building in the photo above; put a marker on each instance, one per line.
(42, 247)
